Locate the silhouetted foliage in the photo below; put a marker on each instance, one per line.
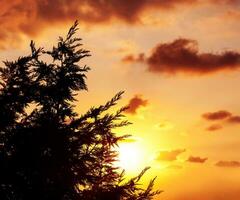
(47, 151)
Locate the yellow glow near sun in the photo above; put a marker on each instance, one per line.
(131, 157)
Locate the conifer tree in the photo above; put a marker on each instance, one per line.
(47, 150)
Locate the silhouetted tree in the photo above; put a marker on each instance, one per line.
(47, 151)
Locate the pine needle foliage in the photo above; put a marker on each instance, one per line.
(50, 152)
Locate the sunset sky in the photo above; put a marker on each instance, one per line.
(178, 62)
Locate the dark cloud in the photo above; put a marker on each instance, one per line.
(218, 115)
(223, 115)
(196, 159)
(228, 164)
(182, 56)
(32, 16)
(169, 155)
(135, 103)
(101, 11)
(214, 127)
(234, 119)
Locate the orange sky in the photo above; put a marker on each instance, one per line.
(177, 60)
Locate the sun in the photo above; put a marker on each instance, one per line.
(131, 157)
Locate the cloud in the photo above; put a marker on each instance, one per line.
(196, 159)
(30, 17)
(218, 115)
(234, 119)
(214, 127)
(135, 103)
(169, 155)
(228, 164)
(222, 115)
(182, 56)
